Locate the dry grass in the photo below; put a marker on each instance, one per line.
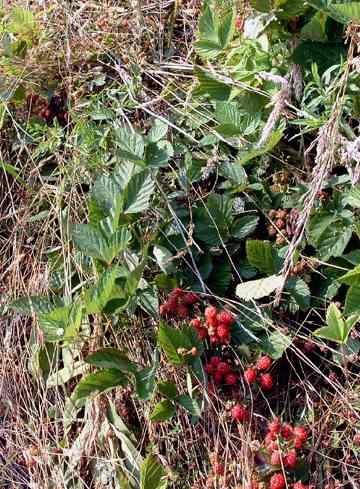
(32, 442)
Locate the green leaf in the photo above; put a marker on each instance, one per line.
(98, 296)
(212, 220)
(158, 154)
(145, 378)
(315, 29)
(131, 145)
(324, 55)
(352, 300)
(138, 192)
(158, 131)
(96, 383)
(191, 405)
(208, 25)
(62, 323)
(91, 241)
(300, 292)
(152, 474)
(352, 277)
(113, 359)
(235, 173)
(276, 344)
(171, 340)
(210, 86)
(260, 254)
(349, 10)
(334, 240)
(244, 226)
(256, 289)
(37, 304)
(337, 328)
(163, 257)
(207, 48)
(168, 389)
(353, 197)
(163, 411)
(226, 29)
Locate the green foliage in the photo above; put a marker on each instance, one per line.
(97, 383)
(215, 34)
(337, 328)
(152, 475)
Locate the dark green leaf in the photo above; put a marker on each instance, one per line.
(163, 411)
(113, 359)
(191, 405)
(167, 389)
(260, 254)
(152, 474)
(96, 383)
(244, 226)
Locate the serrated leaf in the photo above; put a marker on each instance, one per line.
(276, 344)
(235, 172)
(208, 25)
(207, 48)
(300, 292)
(163, 411)
(145, 378)
(352, 300)
(167, 389)
(191, 405)
(158, 131)
(96, 383)
(349, 10)
(131, 145)
(211, 86)
(353, 197)
(334, 240)
(158, 154)
(337, 328)
(138, 192)
(352, 277)
(171, 340)
(90, 241)
(62, 323)
(113, 359)
(256, 289)
(226, 29)
(163, 257)
(260, 254)
(244, 226)
(152, 474)
(98, 296)
(37, 304)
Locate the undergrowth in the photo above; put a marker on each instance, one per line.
(180, 266)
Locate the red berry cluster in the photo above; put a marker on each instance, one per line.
(282, 441)
(221, 371)
(218, 325)
(240, 413)
(178, 303)
(265, 379)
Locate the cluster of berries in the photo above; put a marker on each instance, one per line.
(178, 303)
(299, 268)
(278, 481)
(265, 379)
(48, 111)
(282, 441)
(217, 326)
(221, 371)
(284, 223)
